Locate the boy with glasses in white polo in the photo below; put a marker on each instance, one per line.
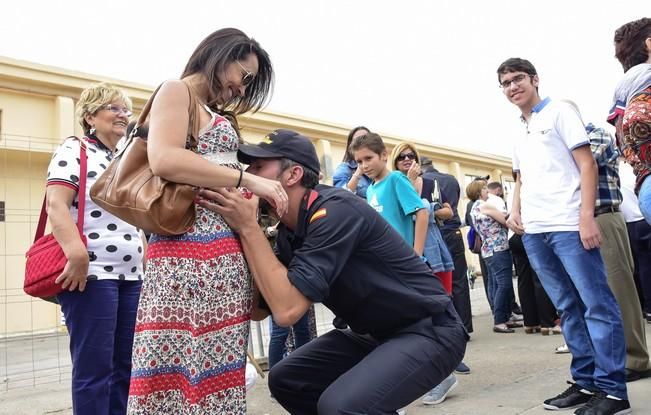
(553, 206)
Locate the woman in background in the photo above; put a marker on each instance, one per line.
(348, 175)
(101, 281)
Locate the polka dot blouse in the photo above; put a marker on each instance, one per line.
(114, 246)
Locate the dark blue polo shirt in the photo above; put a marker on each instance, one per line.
(346, 256)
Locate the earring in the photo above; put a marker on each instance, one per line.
(92, 131)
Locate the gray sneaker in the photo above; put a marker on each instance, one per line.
(440, 391)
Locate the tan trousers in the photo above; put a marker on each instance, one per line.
(616, 252)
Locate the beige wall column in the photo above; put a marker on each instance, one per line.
(64, 118)
(324, 151)
(496, 175)
(454, 168)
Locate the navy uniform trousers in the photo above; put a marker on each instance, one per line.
(343, 372)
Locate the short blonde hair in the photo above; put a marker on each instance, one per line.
(405, 145)
(473, 190)
(95, 97)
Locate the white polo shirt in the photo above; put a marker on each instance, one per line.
(550, 196)
(630, 205)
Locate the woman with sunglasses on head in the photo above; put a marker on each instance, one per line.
(192, 329)
(101, 279)
(348, 174)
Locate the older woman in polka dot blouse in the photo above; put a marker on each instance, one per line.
(101, 281)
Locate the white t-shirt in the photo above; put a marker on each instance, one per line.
(550, 196)
(114, 246)
(630, 206)
(497, 202)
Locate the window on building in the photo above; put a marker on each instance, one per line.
(2, 211)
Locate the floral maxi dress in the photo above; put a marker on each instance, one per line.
(189, 351)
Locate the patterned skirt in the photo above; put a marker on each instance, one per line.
(192, 327)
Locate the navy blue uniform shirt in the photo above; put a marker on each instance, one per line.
(450, 193)
(346, 256)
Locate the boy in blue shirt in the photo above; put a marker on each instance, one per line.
(391, 194)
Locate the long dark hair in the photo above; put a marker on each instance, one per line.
(212, 56)
(348, 155)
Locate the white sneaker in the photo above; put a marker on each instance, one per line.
(562, 349)
(441, 391)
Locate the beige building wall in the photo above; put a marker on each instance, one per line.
(37, 113)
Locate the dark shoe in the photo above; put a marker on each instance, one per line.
(602, 404)
(633, 375)
(462, 369)
(513, 324)
(498, 329)
(531, 329)
(572, 397)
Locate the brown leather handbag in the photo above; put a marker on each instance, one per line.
(129, 189)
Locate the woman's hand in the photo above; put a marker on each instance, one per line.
(75, 272)
(270, 190)
(358, 172)
(413, 172)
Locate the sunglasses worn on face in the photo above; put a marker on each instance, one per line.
(117, 110)
(247, 76)
(405, 156)
(515, 80)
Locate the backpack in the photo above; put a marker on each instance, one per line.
(474, 240)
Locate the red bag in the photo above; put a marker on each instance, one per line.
(45, 258)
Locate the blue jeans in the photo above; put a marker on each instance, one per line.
(575, 279)
(101, 323)
(277, 349)
(500, 267)
(645, 199)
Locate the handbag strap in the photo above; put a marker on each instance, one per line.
(81, 200)
(193, 121)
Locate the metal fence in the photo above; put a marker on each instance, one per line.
(40, 358)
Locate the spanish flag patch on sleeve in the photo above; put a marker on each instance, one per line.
(321, 213)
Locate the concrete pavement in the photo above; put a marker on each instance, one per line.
(511, 374)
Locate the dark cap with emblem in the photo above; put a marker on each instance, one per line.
(282, 143)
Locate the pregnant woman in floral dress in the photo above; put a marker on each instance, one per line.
(192, 327)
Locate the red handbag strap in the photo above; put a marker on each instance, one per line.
(81, 199)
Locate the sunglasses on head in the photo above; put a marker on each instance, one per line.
(405, 156)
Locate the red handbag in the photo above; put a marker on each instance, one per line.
(45, 258)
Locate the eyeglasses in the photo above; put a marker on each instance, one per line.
(515, 80)
(405, 156)
(118, 110)
(247, 76)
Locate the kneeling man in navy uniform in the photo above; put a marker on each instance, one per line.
(404, 336)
